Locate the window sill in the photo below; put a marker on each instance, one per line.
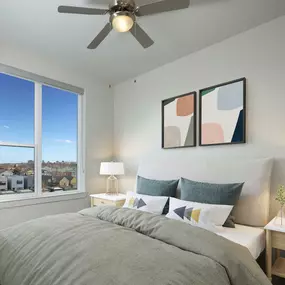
(19, 200)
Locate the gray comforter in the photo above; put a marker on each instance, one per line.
(106, 245)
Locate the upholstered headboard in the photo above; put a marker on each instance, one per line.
(253, 206)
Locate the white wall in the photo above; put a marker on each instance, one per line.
(99, 129)
(257, 54)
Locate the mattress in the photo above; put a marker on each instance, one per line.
(250, 237)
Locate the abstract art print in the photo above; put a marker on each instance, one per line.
(222, 114)
(179, 121)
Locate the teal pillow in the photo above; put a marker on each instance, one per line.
(152, 187)
(210, 193)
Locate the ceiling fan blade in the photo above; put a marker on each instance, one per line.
(141, 36)
(81, 10)
(100, 37)
(162, 6)
(207, 2)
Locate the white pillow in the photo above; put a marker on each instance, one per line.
(198, 214)
(151, 204)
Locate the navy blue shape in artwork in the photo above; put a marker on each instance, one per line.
(239, 130)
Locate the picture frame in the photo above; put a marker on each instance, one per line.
(179, 121)
(222, 114)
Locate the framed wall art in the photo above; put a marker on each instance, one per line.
(179, 121)
(222, 114)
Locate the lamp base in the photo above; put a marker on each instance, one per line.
(112, 185)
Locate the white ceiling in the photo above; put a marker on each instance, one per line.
(36, 26)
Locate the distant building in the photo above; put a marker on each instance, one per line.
(6, 173)
(46, 170)
(64, 182)
(65, 169)
(65, 174)
(56, 179)
(16, 182)
(47, 182)
(29, 182)
(73, 182)
(30, 172)
(3, 183)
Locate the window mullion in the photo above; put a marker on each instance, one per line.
(38, 138)
(81, 146)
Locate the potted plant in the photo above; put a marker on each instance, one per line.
(281, 199)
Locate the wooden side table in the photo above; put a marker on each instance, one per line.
(275, 239)
(104, 199)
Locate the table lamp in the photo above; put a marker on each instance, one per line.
(112, 169)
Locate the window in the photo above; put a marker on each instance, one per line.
(59, 140)
(40, 135)
(17, 112)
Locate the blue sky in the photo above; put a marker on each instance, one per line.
(17, 121)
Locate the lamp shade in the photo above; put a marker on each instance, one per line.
(122, 23)
(112, 168)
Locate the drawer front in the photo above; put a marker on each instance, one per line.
(278, 240)
(100, 202)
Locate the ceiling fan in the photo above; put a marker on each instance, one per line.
(123, 17)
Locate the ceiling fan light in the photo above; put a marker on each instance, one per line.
(122, 23)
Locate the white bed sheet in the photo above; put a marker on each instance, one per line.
(250, 237)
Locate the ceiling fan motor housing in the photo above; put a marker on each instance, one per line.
(123, 5)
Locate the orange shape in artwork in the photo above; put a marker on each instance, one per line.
(212, 133)
(185, 106)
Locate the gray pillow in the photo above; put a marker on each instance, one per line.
(210, 193)
(152, 187)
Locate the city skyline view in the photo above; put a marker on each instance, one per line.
(59, 121)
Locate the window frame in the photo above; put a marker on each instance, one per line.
(38, 196)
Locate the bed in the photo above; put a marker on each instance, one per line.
(106, 245)
(252, 211)
(253, 238)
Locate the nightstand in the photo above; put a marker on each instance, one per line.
(275, 238)
(104, 199)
